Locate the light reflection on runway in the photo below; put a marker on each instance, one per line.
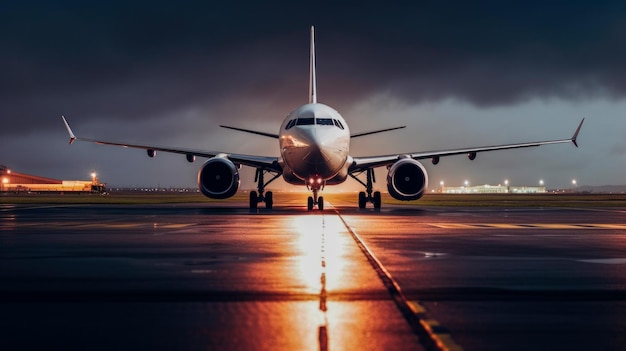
(322, 240)
(309, 246)
(312, 265)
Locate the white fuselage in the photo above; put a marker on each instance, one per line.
(314, 142)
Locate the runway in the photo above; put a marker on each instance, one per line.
(220, 276)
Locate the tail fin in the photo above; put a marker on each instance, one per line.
(312, 82)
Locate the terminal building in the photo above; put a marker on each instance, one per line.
(14, 182)
(492, 189)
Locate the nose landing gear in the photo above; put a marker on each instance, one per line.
(315, 186)
(315, 200)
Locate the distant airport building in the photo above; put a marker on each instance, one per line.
(492, 189)
(15, 182)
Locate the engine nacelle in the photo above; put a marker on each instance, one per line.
(407, 180)
(218, 178)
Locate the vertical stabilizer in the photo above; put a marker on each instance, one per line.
(312, 82)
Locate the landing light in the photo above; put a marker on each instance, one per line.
(315, 180)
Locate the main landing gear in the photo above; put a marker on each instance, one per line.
(364, 198)
(262, 196)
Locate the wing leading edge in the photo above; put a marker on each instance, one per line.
(363, 163)
(264, 162)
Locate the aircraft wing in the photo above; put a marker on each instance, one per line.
(362, 163)
(265, 162)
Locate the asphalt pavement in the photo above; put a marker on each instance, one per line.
(220, 276)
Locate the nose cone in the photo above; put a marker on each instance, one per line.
(316, 154)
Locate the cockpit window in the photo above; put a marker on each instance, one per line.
(338, 123)
(305, 121)
(324, 121)
(311, 121)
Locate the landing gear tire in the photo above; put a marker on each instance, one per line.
(320, 203)
(254, 200)
(362, 200)
(310, 203)
(377, 199)
(269, 200)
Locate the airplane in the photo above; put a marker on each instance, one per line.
(314, 141)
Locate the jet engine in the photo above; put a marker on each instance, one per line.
(218, 178)
(407, 180)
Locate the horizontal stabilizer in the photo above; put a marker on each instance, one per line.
(275, 136)
(375, 131)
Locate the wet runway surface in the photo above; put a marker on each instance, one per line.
(219, 276)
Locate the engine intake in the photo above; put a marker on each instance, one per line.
(218, 178)
(407, 180)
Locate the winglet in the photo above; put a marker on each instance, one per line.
(575, 136)
(312, 79)
(69, 130)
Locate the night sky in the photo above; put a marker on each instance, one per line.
(457, 73)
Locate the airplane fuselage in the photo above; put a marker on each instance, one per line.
(314, 142)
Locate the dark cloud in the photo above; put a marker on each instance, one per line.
(142, 59)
